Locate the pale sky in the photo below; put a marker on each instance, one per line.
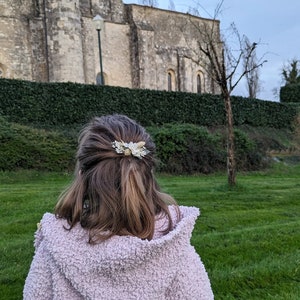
(274, 24)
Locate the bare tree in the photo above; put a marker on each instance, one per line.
(249, 63)
(275, 92)
(153, 3)
(222, 63)
(171, 5)
(193, 11)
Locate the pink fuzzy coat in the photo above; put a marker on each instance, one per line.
(66, 267)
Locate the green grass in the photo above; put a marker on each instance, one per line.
(248, 236)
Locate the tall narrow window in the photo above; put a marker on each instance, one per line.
(171, 80)
(199, 84)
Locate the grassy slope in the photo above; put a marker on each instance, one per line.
(248, 237)
(24, 197)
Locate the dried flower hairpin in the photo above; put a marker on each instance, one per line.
(135, 149)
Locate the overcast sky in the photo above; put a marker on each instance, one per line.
(274, 24)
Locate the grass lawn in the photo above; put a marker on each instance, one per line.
(248, 237)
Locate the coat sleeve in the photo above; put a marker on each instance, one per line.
(38, 284)
(191, 281)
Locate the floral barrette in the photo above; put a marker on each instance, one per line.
(135, 149)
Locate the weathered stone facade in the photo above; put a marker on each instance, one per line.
(142, 47)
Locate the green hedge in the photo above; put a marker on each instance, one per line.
(186, 148)
(23, 147)
(181, 148)
(290, 93)
(190, 149)
(67, 104)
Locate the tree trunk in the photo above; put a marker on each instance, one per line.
(231, 166)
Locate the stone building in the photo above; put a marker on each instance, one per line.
(142, 47)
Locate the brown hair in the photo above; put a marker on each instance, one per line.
(113, 194)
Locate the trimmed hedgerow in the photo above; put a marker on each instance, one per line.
(70, 104)
(181, 148)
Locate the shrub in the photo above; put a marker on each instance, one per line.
(26, 148)
(290, 93)
(181, 149)
(247, 152)
(186, 148)
(189, 149)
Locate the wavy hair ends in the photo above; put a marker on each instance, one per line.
(114, 194)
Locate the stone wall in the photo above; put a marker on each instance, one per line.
(15, 50)
(165, 41)
(116, 54)
(142, 47)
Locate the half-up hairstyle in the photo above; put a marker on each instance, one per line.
(113, 193)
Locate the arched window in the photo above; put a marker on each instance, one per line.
(199, 84)
(171, 80)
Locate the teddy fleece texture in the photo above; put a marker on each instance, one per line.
(65, 266)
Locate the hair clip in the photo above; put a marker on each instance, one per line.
(135, 149)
